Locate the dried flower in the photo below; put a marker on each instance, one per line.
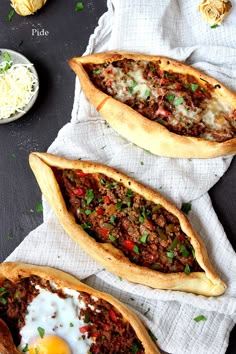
(27, 7)
(214, 11)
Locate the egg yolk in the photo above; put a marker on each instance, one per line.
(49, 344)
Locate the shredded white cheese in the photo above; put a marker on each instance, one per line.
(17, 87)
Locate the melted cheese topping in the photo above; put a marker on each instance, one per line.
(17, 87)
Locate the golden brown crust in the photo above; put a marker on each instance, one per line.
(142, 131)
(14, 271)
(206, 283)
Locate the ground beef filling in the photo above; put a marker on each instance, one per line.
(145, 232)
(174, 100)
(110, 333)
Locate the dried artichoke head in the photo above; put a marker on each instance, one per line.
(27, 7)
(214, 11)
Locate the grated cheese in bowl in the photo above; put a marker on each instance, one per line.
(18, 87)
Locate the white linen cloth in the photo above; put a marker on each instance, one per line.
(173, 28)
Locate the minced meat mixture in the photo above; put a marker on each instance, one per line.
(111, 334)
(145, 232)
(172, 99)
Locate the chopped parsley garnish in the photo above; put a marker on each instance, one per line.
(178, 101)
(194, 87)
(143, 239)
(141, 219)
(10, 15)
(184, 251)
(71, 324)
(119, 205)
(215, 25)
(100, 200)
(79, 6)
(87, 212)
(113, 184)
(111, 237)
(187, 86)
(200, 318)
(86, 226)
(134, 349)
(174, 243)
(3, 301)
(112, 219)
(147, 94)
(129, 193)
(96, 72)
(103, 183)
(193, 253)
(89, 195)
(186, 207)
(131, 88)
(136, 249)
(39, 208)
(187, 269)
(26, 348)
(41, 331)
(170, 97)
(169, 76)
(170, 254)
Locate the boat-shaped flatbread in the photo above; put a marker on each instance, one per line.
(160, 104)
(130, 229)
(44, 310)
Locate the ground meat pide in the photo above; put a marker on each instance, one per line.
(110, 333)
(172, 99)
(145, 232)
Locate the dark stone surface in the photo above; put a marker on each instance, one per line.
(68, 36)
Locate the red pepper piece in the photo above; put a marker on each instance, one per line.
(162, 81)
(129, 245)
(82, 174)
(107, 200)
(150, 225)
(105, 232)
(181, 237)
(79, 191)
(112, 315)
(83, 329)
(162, 112)
(105, 327)
(100, 211)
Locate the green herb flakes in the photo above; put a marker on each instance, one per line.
(143, 239)
(187, 269)
(178, 101)
(147, 94)
(39, 208)
(26, 348)
(200, 318)
(41, 331)
(194, 87)
(141, 219)
(71, 324)
(89, 195)
(184, 251)
(136, 249)
(96, 72)
(170, 97)
(133, 84)
(129, 193)
(86, 226)
(186, 207)
(103, 182)
(87, 212)
(111, 237)
(215, 25)
(79, 6)
(170, 254)
(3, 301)
(10, 15)
(112, 219)
(119, 205)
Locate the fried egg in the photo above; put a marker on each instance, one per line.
(52, 324)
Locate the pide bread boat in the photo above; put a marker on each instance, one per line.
(130, 229)
(44, 310)
(160, 104)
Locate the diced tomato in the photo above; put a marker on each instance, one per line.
(105, 232)
(162, 81)
(112, 314)
(129, 245)
(87, 183)
(163, 112)
(150, 225)
(95, 334)
(181, 237)
(110, 71)
(83, 329)
(79, 191)
(105, 327)
(100, 211)
(96, 350)
(107, 200)
(81, 174)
